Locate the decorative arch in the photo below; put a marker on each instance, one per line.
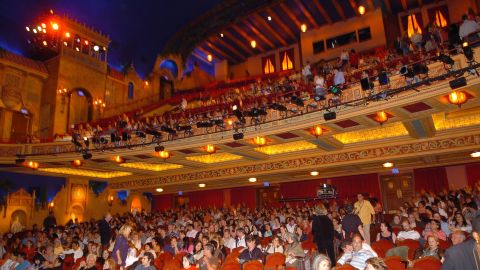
(18, 220)
(136, 204)
(80, 106)
(171, 66)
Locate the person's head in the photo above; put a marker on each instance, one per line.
(188, 260)
(108, 217)
(198, 246)
(432, 242)
(147, 246)
(75, 245)
(275, 241)
(240, 232)
(109, 264)
(291, 239)
(105, 254)
(434, 225)
(406, 225)
(173, 241)
(375, 263)
(457, 237)
(357, 242)
(385, 227)
(147, 259)
(346, 245)
(209, 250)
(125, 230)
(91, 260)
(476, 228)
(251, 242)
(21, 257)
(360, 197)
(321, 262)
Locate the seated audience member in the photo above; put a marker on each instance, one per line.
(146, 263)
(358, 256)
(457, 237)
(22, 262)
(209, 262)
(198, 251)
(339, 78)
(188, 262)
(293, 250)
(432, 249)
(321, 262)
(240, 240)
(407, 232)
(274, 246)
(300, 235)
(75, 250)
(252, 252)
(228, 241)
(458, 222)
(396, 222)
(376, 263)
(435, 231)
(386, 233)
(89, 263)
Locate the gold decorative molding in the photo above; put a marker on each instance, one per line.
(87, 173)
(386, 152)
(283, 148)
(443, 121)
(214, 158)
(157, 167)
(382, 132)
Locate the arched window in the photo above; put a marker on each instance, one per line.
(412, 25)
(440, 20)
(130, 90)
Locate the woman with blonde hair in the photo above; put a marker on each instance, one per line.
(109, 264)
(375, 263)
(120, 248)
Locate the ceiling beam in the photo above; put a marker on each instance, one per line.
(247, 37)
(339, 9)
(354, 6)
(260, 34)
(284, 27)
(215, 54)
(199, 57)
(307, 13)
(404, 5)
(223, 54)
(290, 15)
(241, 44)
(323, 12)
(229, 47)
(388, 5)
(258, 18)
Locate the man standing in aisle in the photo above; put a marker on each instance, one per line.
(365, 211)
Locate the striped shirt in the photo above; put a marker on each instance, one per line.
(356, 259)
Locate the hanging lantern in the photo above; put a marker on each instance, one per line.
(260, 140)
(77, 163)
(210, 148)
(164, 154)
(381, 117)
(209, 58)
(361, 10)
(457, 98)
(303, 27)
(317, 130)
(253, 43)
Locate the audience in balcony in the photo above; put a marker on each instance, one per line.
(468, 27)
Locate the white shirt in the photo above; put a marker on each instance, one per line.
(467, 28)
(412, 234)
(306, 71)
(230, 243)
(339, 78)
(241, 242)
(77, 254)
(9, 264)
(356, 259)
(291, 228)
(192, 233)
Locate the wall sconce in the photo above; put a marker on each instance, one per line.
(110, 200)
(51, 205)
(99, 103)
(62, 92)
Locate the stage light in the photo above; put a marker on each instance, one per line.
(234, 107)
(210, 148)
(381, 117)
(44, 25)
(209, 58)
(458, 82)
(96, 48)
(39, 28)
(77, 49)
(303, 27)
(230, 122)
(55, 26)
(86, 42)
(457, 98)
(297, 101)
(269, 18)
(44, 31)
(32, 165)
(118, 159)
(387, 164)
(159, 189)
(202, 185)
(221, 35)
(329, 116)
(164, 154)
(45, 43)
(77, 163)
(361, 10)
(314, 173)
(252, 179)
(34, 31)
(407, 72)
(28, 28)
(317, 130)
(253, 43)
(238, 136)
(475, 154)
(65, 43)
(159, 148)
(87, 156)
(67, 34)
(467, 51)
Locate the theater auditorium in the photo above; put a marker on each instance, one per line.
(240, 134)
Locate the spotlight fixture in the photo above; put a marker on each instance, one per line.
(387, 165)
(96, 48)
(159, 189)
(458, 82)
(221, 35)
(329, 116)
(252, 179)
(467, 51)
(475, 154)
(238, 136)
(27, 28)
(303, 27)
(87, 155)
(32, 165)
(159, 148)
(361, 10)
(67, 34)
(314, 173)
(447, 60)
(55, 26)
(253, 43)
(269, 18)
(457, 98)
(202, 185)
(407, 72)
(86, 141)
(209, 58)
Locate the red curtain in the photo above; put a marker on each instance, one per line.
(265, 59)
(244, 195)
(430, 179)
(291, 55)
(346, 186)
(473, 173)
(443, 9)
(419, 18)
(162, 202)
(206, 198)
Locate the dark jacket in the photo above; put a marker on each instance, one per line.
(463, 256)
(104, 230)
(322, 229)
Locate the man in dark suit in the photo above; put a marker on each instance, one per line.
(322, 229)
(465, 256)
(104, 230)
